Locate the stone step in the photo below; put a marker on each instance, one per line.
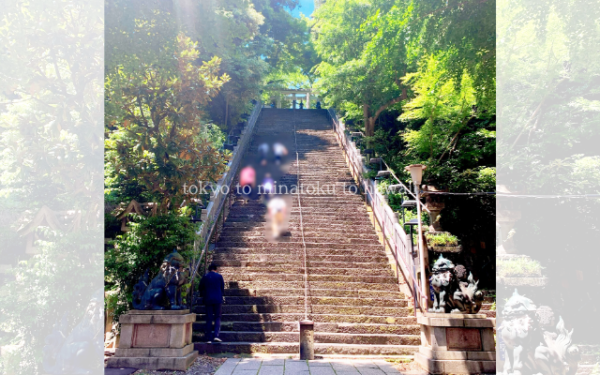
(335, 224)
(389, 279)
(315, 212)
(316, 293)
(317, 318)
(340, 186)
(369, 248)
(320, 337)
(352, 328)
(311, 224)
(314, 309)
(337, 285)
(293, 348)
(589, 359)
(290, 269)
(309, 208)
(296, 262)
(338, 217)
(321, 203)
(326, 203)
(306, 219)
(313, 259)
(314, 256)
(306, 226)
(293, 253)
(486, 306)
(318, 197)
(587, 369)
(308, 182)
(236, 235)
(313, 301)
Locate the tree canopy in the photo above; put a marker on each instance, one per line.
(178, 75)
(51, 169)
(154, 113)
(549, 131)
(369, 47)
(418, 77)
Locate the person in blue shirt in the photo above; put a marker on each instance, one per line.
(212, 288)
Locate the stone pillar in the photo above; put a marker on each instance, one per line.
(435, 204)
(155, 340)
(279, 102)
(506, 220)
(308, 100)
(307, 340)
(457, 344)
(507, 214)
(110, 341)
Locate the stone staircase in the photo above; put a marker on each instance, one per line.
(590, 360)
(354, 298)
(489, 297)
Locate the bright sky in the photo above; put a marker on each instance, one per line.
(306, 7)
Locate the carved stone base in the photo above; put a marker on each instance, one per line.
(457, 344)
(155, 340)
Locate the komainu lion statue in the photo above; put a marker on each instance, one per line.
(453, 291)
(164, 291)
(76, 351)
(532, 344)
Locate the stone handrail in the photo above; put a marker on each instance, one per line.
(393, 232)
(217, 202)
(387, 167)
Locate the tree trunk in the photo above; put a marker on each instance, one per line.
(366, 119)
(226, 110)
(370, 127)
(370, 120)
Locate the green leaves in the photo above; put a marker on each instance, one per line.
(419, 78)
(153, 121)
(549, 96)
(437, 100)
(143, 248)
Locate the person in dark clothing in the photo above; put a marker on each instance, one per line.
(212, 288)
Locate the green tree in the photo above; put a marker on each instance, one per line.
(549, 79)
(51, 155)
(548, 76)
(369, 46)
(153, 116)
(349, 76)
(142, 249)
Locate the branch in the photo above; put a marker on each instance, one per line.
(462, 124)
(534, 115)
(57, 72)
(449, 144)
(390, 103)
(450, 6)
(398, 83)
(141, 107)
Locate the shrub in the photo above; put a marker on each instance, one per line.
(519, 266)
(442, 239)
(143, 247)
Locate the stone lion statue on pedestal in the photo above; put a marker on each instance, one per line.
(453, 291)
(164, 291)
(532, 343)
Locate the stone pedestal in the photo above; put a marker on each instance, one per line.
(457, 344)
(307, 340)
(155, 340)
